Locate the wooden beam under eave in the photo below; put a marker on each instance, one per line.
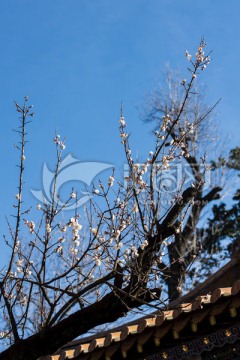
(127, 345)
(112, 337)
(83, 348)
(160, 332)
(216, 294)
(97, 355)
(110, 350)
(127, 330)
(67, 354)
(95, 343)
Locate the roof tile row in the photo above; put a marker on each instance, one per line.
(158, 326)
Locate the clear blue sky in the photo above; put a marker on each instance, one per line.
(77, 59)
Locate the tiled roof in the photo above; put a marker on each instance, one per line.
(169, 324)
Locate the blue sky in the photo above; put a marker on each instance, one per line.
(77, 59)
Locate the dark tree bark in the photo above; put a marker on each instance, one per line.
(108, 309)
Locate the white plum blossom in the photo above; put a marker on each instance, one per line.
(165, 121)
(123, 225)
(19, 262)
(122, 121)
(136, 167)
(98, 262)
(165, 161)
(145, 227)
(188, 56)
(20, 270)
(134, 250)
(74, 251)
(4, 334)
(39, 206)
(30, 225)
(135, 208)
(48, 228)
(117, 234)
(119, 245)
(59, 249)
(191, 128)
(24, 301)
(77, 226)
(110, 181)
(73, 195)
(144, 168)
(123, 135)
(102, 239)
(56, 139)
(144, 244)
(94, 231)
(28, 272)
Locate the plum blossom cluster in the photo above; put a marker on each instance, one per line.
(58, 142)
(134, 250)
(122, 121)
(76, 227)
(138, 170)
(21, 268)
(202, 60)
(4, 334)
(48, 228)
(30, 225)
(110, 181)
(144, 244)
(166, 119)
(97, 260)
(19, 264)
(188, 56)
